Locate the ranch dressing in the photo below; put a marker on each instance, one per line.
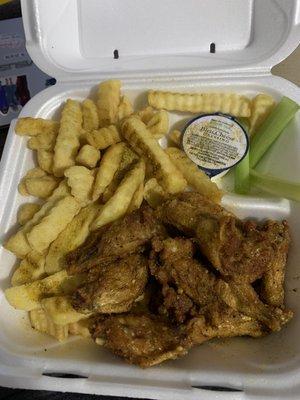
(215, 142)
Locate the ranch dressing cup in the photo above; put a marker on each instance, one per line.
(215, 142)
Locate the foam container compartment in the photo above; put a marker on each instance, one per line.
(75, 41)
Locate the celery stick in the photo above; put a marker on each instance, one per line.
(271, 128)
(275, 186)
(242, 176)
(241, 170)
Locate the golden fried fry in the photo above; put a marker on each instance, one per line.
(167, 174)
(127, 160)
(70, 238)
(228, 103)
(194, 176)
(146, 114)
(175, 138)
(42, 323)
(118, 204)
(125, 108)
(154, 193)
(59, 309)
(18, 243)
(80, 180)
(80, 328)
(261, 106)
(108, 166)
(26, 212)
(45, 160)
(45, 141)
(67, 142)
(35, 126)
(32, 173)
(88, 156)
(137, 198)
(27, 297)
(90, 115)
(22, 188)
(27, 273)
(46, 231)
(41, 187)
(159, 124)
(104, 137)
(108, 102)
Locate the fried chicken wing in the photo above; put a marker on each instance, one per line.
(173, 265)
(123, 237)
(272, 288)
(140, 339)
(241, 251)
(243, 298)
(220, 321)
(115, 289)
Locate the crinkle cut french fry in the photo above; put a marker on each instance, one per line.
(42, 323)
(18, 243)
(22, 188)
(90, 115)
(60, 310)
(108, 167)
(45, 160)
(159, 124)
(261, 106)
(34, 126)
(70, 238)
(126, 163)
(194, 176)
(88, 156)
(108, 100)
(125, 108)
(80, 328)
(136, 133)
(67, 141)
(27, 297)
(146, 114)
(45, 141)
(41, 187)
(46, 231)
(27, 273)
(154, 193)
(104, 137)
(137, 198)
(118, 204)
(228, 103)
(80, 180)
(26, 212)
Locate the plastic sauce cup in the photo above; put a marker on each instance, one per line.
(215, 142)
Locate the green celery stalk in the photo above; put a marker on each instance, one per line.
(275, 186)
(242, 176)
(271, 128)
(242, 169)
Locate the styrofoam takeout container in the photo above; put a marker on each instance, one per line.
(161, 44)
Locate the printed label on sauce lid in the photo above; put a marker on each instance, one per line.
(215, 142)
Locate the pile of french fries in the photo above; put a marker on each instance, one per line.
(99, 162)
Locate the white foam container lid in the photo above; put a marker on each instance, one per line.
(161, 44)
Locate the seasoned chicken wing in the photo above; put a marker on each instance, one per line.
(140, 339)
(272, 288)
(115, 289)
(219, 320)
(243, 298)
(126, 236)
(241, 251)
(184, 280)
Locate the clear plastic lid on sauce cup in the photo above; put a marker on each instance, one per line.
(215, 142)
